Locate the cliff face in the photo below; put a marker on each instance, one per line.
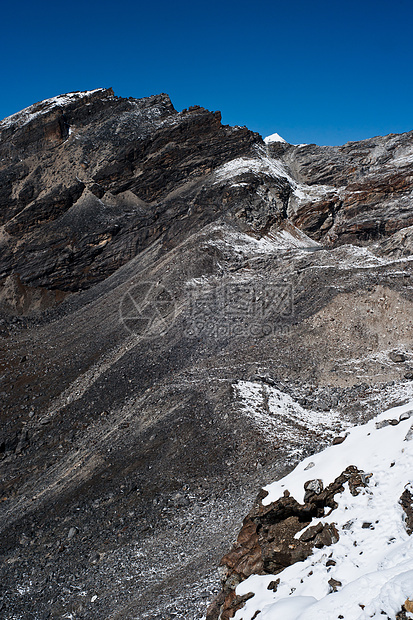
(185, 313)
(93, 179)
(369, 188)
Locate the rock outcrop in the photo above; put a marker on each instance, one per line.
(88, 180)
(344, 548)
(268, 541)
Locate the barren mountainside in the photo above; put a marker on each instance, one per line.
(186, 312)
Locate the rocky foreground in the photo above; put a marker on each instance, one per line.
(344, 549)
(186, 314)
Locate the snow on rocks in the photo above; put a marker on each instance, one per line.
(368, 571)
(277, 414)
(263, 164)
(244, 246)
(19, 119)
(403, 157)
(290, 237)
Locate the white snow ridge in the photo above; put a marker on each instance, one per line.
(372, 562)
(19, 119)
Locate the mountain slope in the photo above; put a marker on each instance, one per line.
(159, 291)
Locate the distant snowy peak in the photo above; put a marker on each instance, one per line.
(275, 137)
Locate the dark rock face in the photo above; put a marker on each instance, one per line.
(162, 288)
(89, 180)
(406, 501)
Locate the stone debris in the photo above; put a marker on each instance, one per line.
(406, 501)
(334, 584)
(338, 440)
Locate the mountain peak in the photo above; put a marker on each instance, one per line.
(26, 115)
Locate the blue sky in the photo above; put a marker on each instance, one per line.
(314, 71)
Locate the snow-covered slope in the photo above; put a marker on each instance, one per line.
(368, 572)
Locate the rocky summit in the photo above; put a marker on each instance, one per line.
(186, 313)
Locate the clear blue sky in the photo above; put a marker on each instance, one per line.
(313, 71)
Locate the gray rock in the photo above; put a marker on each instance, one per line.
(72, 532)
(309, 466)
(397, 357)
(409, 434)
(334, 584)
(314, 486)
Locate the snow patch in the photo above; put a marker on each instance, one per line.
(274, 137)
(256, 165)
(278, 415)
(365, 447)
